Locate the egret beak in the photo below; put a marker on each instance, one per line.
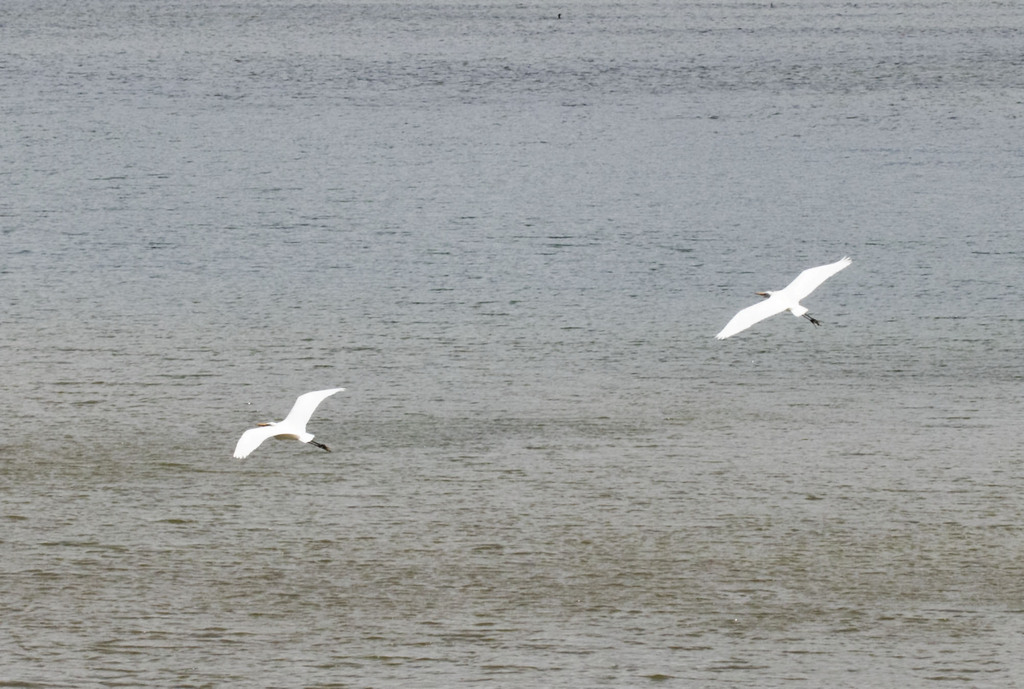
(261, 425)
(762, 294)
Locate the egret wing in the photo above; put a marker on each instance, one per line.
(252, 439)
(750, 315)
(808, 281)
(305, 405)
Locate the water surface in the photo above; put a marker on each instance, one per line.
(512, 238)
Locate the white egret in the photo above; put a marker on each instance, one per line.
(293, 427)
(787, 299)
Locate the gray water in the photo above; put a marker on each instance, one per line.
(512, 237)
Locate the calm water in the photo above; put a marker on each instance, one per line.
(512, 238)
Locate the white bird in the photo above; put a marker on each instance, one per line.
(787, 299)
(293, 427)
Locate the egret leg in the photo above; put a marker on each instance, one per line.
(812, 319)
(320, 445)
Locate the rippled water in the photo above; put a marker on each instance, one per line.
(512, 237)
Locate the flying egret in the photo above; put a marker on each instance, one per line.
(293, 426)
(787, 299)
